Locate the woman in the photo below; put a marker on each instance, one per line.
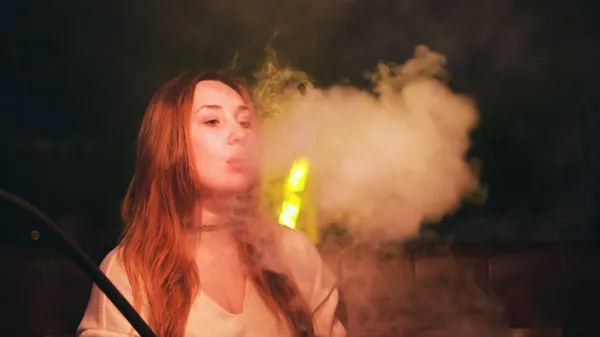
(195, 258)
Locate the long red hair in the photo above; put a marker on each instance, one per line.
(162, 193)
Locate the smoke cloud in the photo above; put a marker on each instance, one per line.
(382, 162)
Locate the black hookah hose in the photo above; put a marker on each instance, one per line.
(86, 263)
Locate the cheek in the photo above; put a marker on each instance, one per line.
(205, 154)
(207, 144)
(210, 151)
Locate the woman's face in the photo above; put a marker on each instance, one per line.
(224, 140)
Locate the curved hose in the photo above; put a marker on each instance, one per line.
(85, 263)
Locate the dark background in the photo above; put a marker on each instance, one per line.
(75, 77)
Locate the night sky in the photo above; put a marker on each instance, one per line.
(76, 76)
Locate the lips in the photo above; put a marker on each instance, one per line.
(237, 161)
(238, 164)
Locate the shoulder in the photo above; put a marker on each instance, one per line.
(295, 241)
(112, 260)
(299, 254)
(297, 250)
(112, 267)
(287, 250)
(101, 316)
(305, 265)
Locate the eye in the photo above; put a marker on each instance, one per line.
(246, 124)
(212, 122)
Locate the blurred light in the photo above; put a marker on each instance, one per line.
(296, 182)
(298, 174)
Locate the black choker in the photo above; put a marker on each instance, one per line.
(206, 228)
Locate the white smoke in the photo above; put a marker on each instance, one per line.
(381, 162)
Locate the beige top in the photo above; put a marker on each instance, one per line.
(315, 281)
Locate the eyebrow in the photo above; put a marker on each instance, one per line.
(240, 108)
(210, 107)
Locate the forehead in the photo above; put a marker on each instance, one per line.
(215, 92)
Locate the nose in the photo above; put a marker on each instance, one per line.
(236, 135)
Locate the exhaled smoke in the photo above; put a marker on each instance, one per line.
(382, 161)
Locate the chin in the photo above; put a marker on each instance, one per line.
(237, 185)
(238, 188)
(229, 183)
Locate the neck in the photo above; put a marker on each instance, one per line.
(215, 210)
(222, 209)
(211, 223)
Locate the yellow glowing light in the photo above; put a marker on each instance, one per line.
(296, 182)
(298, 174)
(290, 211)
